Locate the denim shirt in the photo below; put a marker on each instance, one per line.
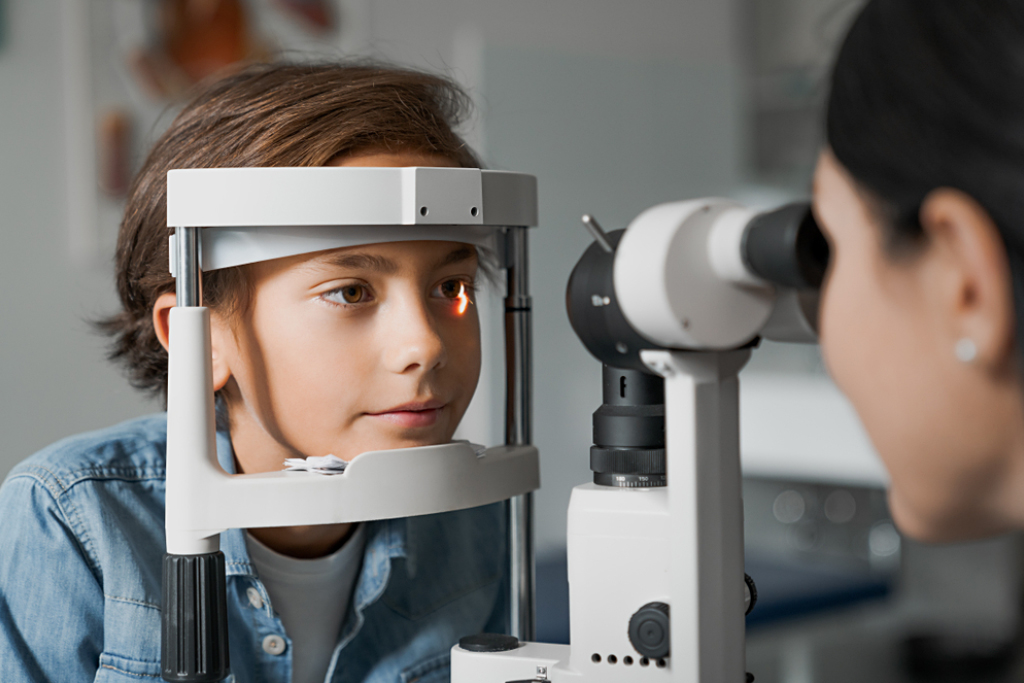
(81, 551)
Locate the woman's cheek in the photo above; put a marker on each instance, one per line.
(832, 335)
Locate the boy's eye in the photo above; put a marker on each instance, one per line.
(353, 294)
(457, 291)
(451, 289)
(349, 294)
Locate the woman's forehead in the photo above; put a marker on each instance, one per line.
(835, 195)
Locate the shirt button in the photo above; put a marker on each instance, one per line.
(255, 599)
(273, 645)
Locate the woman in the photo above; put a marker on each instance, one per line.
(921, 194)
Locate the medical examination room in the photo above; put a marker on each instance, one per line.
(512, 341)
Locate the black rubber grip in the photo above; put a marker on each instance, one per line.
(786, 247)
(194, 633)
(627, 460)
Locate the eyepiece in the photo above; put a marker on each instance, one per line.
(786, 247)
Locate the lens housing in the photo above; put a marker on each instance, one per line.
(629, 430)
(594, 311)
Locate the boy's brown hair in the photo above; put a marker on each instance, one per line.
(265, 115)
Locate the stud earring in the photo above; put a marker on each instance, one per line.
(966, 350)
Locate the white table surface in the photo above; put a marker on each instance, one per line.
(798, 426)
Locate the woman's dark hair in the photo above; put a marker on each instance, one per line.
(266, 115)
(929, 94)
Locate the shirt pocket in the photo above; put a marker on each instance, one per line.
(452, 555)
(434, 669)
(115, 669)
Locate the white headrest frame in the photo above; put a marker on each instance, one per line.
(257, 214)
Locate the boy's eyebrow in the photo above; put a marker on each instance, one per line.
(381, 264)
(456, 255)
(364, 262)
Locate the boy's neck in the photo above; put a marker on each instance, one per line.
(304, 542)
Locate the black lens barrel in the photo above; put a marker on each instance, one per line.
(629, 430)
(786, 247)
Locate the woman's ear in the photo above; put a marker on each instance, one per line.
(221, 339)
(971, 280)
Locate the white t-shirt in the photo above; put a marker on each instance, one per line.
(311, 597)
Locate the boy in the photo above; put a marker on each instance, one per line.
(337, 352)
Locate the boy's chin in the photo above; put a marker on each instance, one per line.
(395, 438)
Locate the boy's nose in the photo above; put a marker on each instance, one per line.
(412, 341)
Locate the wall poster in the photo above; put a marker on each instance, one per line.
(129, 65)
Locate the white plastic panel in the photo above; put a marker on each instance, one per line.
(227, 247)
(510, 199)
(618, 544)
(725, 247)
(376, 485)
(442, 196)
(525, 663)
(668, 289)
(324, 196)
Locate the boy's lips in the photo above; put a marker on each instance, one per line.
(416, 414)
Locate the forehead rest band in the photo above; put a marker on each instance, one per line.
(257, 214)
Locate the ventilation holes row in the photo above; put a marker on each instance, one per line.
(627, 660)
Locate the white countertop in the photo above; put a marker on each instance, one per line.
(798, 426)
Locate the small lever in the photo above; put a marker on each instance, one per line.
(599, 235)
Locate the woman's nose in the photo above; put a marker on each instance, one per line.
(411, 339)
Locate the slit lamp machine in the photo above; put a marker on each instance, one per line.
(671, 306)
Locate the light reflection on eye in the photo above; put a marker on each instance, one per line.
(458, 292)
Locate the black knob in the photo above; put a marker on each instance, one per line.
(751, 593)
(194, 619)
(489, 642)
(649, 630)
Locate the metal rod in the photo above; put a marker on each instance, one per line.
(522, 606)
(188, 282)
(594, 228)
(518, 307)
(518, 407)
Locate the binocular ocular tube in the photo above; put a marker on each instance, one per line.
(698, 275)
(786, 247)
(783, 247)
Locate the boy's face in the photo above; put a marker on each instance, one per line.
(350, 350)
(357, 349)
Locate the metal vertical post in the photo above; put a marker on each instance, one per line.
(518, 407)
(188, 281)
(194, 621)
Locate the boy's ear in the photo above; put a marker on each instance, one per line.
(162, 326)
